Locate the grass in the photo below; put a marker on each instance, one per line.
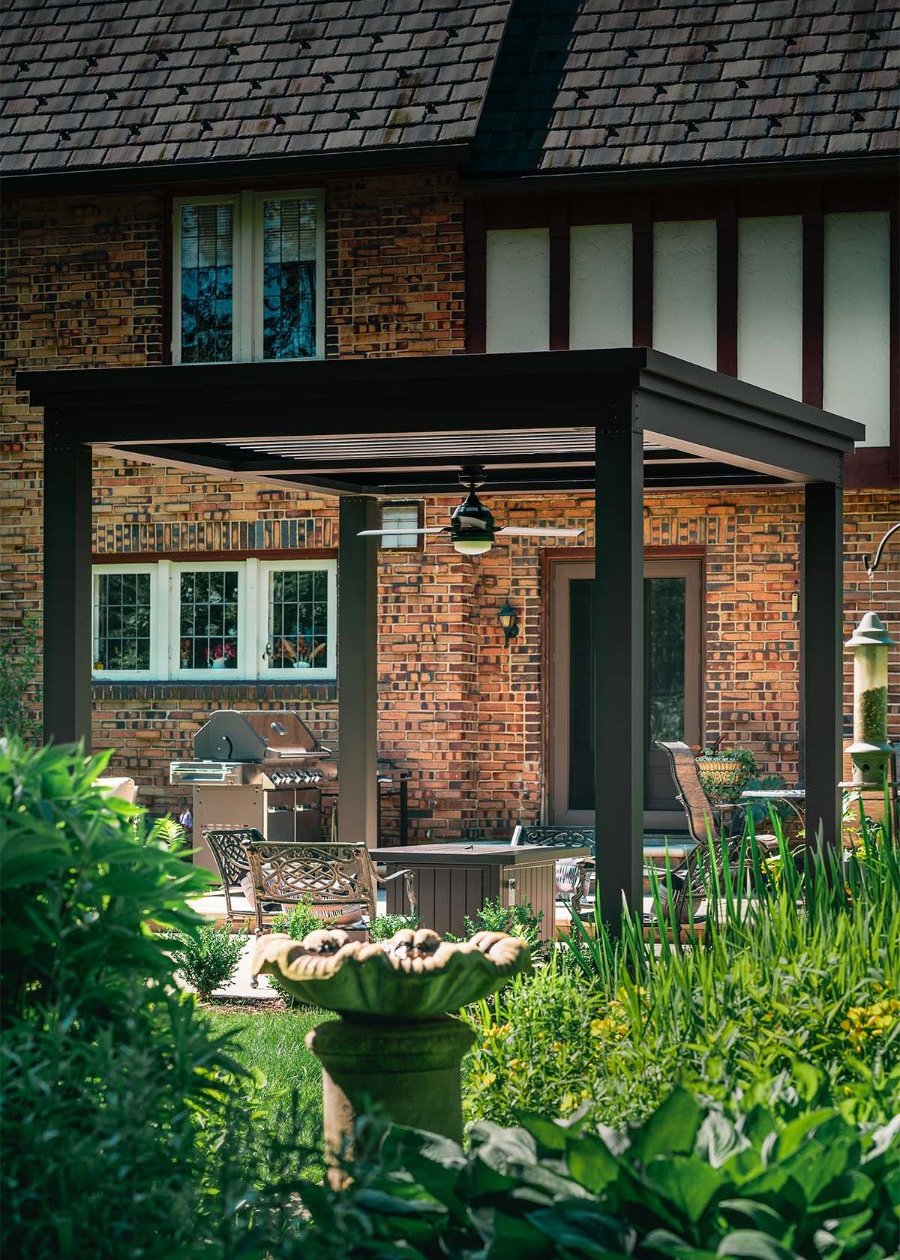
(271, 1044)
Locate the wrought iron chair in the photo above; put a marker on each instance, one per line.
(335, 880)
(574, 876)
(227, 847)
(692, 877)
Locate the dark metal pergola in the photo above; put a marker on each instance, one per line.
(607, 421)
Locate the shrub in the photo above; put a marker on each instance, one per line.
(18, 670)
(208, 959)
(383, 928)
(517, 920)
(107, 1073)
(297, 922)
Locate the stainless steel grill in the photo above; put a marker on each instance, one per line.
(258, 769)
(264, 769)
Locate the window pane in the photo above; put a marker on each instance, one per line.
(123, 621)
(207, 278)
(665, 616)
(289, 279)
(208, 620)
(298, 620)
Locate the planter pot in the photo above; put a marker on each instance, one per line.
(409, 1070)
(219, 663)
(723, 778)
(301, 664)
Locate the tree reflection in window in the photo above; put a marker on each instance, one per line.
(123, 621)
(665, 614)
(207, 283)
(289, 279)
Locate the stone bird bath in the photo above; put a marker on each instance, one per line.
(395, 1046)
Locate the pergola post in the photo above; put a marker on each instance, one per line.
(67, 590)
(618, 660)
(820, 650)
(357, 653)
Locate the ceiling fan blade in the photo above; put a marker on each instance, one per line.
(539, 532)
(401, 529)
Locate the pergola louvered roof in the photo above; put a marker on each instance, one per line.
(401, 426)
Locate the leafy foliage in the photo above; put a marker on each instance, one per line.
(106, 1070)
(208, 959)
(689, 1183)
(386, 925)
(18, 671)
(794, 982)
(518, 920)
(297, 922)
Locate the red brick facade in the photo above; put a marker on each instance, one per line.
(461, 710)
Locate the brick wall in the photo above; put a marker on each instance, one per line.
(458, 708)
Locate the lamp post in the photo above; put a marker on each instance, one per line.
(870, 749)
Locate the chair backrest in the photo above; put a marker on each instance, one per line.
(228, 847)
(335, 876)
(556, 837)
(701, 818)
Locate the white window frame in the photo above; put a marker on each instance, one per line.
(247, 269)
(157, 635)
(253, 621)
(265, 670)
(245, 651)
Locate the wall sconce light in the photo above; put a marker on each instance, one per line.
(509, 621)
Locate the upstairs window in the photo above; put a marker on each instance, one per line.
(247, 277)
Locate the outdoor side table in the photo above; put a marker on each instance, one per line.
(794, 798)
(455, 880)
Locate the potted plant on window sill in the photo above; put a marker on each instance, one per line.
(724, 771)
(221, 656)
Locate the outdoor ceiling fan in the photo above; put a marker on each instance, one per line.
(472, 529)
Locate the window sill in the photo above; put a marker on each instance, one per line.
(205, 689)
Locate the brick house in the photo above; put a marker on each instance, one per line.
(411, 179)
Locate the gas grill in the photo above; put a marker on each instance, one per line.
(266, 770)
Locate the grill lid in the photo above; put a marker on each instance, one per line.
(253, 736)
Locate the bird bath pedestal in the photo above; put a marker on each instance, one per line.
(394, 1048)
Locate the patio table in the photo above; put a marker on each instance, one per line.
(455, 880)
(794, 798)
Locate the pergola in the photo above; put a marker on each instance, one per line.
(607, 421)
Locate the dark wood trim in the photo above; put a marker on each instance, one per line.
(560, 259)
(727, 285)
(587, 209)
(873, 467)
(813, 304)
(513, 212)
(893, 467)
(166, 284)
(820, 661)
(476, 277)
(298, 168)
(642, 272)
(235, 557)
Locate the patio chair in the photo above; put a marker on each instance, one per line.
(692, 876)
(227, 847)
(335, 880)
(574, 876)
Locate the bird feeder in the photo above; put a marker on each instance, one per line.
(870, 749)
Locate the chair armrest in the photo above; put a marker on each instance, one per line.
(386, 879)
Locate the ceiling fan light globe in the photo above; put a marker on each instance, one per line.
(472, 546)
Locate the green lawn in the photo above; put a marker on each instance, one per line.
(271, 1043)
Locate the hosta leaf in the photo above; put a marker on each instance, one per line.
(591, 1163)
(749, 1244)
(671, 1129)
(585, 1230)
(549, 1135)
(718, 1140)
(753, 1215)
(687, 1183)
(662, 1243)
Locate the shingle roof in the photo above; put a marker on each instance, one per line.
(596, 84)
(137, 82)
(575, 85)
